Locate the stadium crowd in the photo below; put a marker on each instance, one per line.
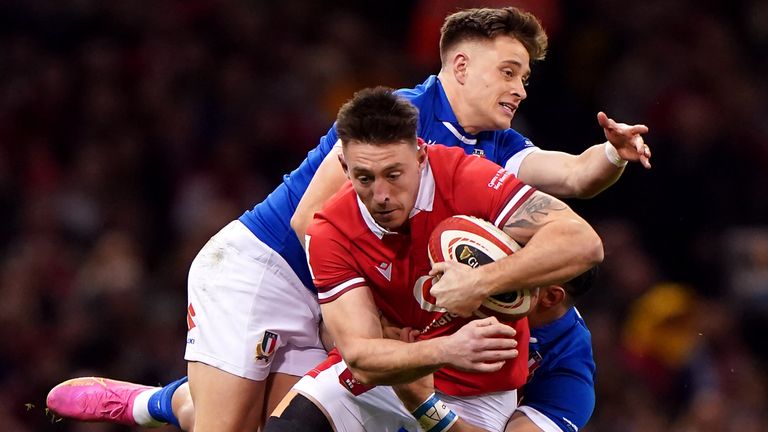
(130, 132)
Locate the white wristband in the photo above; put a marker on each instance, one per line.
(613, 156)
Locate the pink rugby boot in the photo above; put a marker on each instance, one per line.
(94, 399)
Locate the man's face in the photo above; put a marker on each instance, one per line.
(386, 178)
(496, 72)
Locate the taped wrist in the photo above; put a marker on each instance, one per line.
(613, 155)
(434, 415)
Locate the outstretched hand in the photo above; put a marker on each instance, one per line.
(627, 139)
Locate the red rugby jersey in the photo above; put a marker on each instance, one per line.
(347, 250)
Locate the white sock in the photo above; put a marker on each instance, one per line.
(141, 409)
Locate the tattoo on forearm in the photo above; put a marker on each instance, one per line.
(535, 210)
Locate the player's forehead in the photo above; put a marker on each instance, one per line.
(501, 50)
(379, 157)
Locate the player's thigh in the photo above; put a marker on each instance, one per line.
(249, 314)
(278, 386)
(224, 402)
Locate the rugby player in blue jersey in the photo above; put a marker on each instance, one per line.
(253, 316)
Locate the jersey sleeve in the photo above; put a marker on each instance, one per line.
(485, 190)
(558, 401)
(330, 263)
(513, 148)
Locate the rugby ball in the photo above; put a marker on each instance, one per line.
(475, 242)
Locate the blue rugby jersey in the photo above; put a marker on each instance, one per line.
(270, 219)
(560, 393)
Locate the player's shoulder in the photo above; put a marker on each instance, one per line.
(418, 92)
(340, 207)
(510, 138)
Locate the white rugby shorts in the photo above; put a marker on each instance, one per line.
(248, 313)
(379, 409)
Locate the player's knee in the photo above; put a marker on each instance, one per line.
(301, 415)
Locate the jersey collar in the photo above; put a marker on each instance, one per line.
(444, 113)
(555, 329)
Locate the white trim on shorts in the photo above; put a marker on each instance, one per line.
(543, 422)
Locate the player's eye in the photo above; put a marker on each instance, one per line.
(394, 175)
(526, 80)
(508, 73)
(364, 179)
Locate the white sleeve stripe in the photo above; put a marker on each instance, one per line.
(503, 215)
(307, 239)
(543, 422)
(339, 288)
(513, 163)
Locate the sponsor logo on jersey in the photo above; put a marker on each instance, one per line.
(267, 346)
(386, 270)
(569, 424)
(478, 152)
(499, 178)
(440, 321)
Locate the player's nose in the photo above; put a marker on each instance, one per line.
(381, 192)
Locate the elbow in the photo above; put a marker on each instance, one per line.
(363, 377)
(586, 191)
(594, 252)
(588, 247)
(360, 374)
(296, 224)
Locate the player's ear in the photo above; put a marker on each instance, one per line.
(422, 154)
(343, 164)
(459, 63)
(551, 296)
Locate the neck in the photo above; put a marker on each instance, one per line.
(455, 99)
(540, 318)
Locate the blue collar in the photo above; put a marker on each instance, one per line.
(442, 110)
(442, 107)
(557, 328)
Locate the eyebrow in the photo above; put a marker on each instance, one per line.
(391, 167)
(518, 64)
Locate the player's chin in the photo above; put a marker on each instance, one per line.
(391, 220)
(501, 123)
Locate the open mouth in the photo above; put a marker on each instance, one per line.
(508, 107)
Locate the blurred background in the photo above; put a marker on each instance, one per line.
(131, 131)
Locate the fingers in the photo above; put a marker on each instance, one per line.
(438, 268)
(644, 152)
(604, 121)
(489, 361)
(487, 367)
(489, 327)
(645, 161)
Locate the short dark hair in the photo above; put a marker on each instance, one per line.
(582, 283)
(488, 23)
(377, 116)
